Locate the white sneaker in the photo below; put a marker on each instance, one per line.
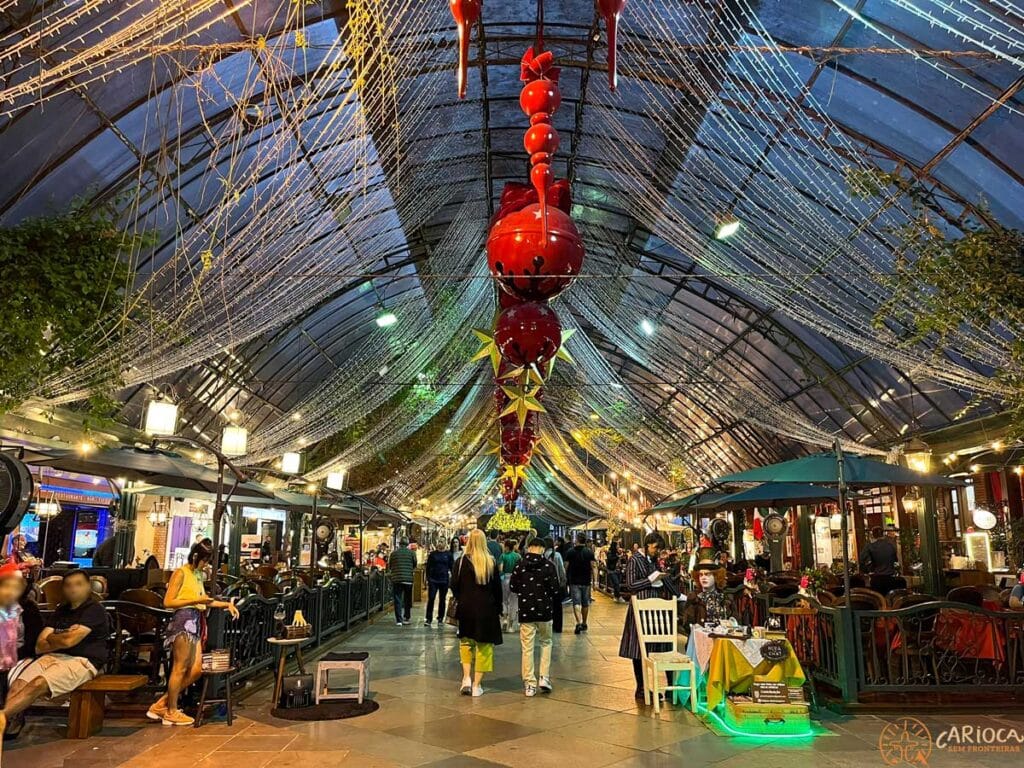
(545, 685)
(398, 623)
(467, 686)
(478, 691)
(531, 690)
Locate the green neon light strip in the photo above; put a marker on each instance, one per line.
(720, 722)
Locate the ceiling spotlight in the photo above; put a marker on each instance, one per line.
(647, 327)
(386, 319)
(727, 228)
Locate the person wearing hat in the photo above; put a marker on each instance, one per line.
(709, 604)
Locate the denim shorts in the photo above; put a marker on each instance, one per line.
(580, 594)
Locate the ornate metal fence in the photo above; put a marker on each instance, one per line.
(333, 606)
(939, 646)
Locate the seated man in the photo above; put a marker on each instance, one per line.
(72, 648)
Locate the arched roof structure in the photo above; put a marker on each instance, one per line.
(308, 165)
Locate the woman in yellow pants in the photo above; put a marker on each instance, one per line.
(476, 584)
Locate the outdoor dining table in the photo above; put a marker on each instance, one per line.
(730, 665)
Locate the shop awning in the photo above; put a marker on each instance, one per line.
(147, 465)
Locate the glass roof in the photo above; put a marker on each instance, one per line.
(308, 166)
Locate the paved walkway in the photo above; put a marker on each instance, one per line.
(589, 721)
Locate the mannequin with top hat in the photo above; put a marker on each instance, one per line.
(708, 603)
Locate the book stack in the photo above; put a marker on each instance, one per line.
(216, 661)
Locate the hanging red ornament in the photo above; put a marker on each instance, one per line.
(528, 334)
(611, 10)
(466, 14)
(515, 196)
(506, 300)
(528, 264)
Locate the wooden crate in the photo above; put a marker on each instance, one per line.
(766, 719)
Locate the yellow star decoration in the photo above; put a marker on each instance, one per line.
(521, 401)
(489, 349)
(516, 473)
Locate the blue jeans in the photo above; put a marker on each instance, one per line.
(403, 602)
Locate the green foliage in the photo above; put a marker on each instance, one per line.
(65, 278)
(942, 284)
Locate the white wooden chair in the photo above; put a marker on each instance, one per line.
(655, 621)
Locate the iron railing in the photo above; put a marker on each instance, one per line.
(331, 607)
(939, 646)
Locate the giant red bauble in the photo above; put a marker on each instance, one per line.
(541, 96)
(528, 265)
(528, 333)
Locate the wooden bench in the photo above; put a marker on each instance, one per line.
(87, 702)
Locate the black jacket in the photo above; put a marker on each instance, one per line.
(535, 581)
(439, 567)
(480, 605)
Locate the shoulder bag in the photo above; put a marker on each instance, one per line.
(451, 612)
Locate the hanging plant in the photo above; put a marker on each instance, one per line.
(65, 279)
(944, 283)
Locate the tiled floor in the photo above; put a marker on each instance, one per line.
(589, 721)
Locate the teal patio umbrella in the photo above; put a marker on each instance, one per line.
(842, 470)
(771, 495)
(823, 468)
(685, 502)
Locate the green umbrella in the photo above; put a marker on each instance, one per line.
(772, 495)
(821, 468)
(685, 502)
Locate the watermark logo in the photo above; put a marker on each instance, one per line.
(909, 741)
(905, 741)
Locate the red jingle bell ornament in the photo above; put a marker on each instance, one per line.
(525, 262)
(528, 334)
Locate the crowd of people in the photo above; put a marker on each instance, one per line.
(508, 583)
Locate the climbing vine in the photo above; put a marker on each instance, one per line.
(945, 280)
(65, 278)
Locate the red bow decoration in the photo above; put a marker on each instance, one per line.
(539, 66)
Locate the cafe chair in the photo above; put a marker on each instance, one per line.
(655, 621)
(965, 595)
(99, 586)
(51, 589)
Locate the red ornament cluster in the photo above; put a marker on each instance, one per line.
(534, 250)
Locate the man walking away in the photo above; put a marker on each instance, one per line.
(579, 568)
(401, 566)
(880, 556)
(535, 581)
(494, 546)
(439, 569)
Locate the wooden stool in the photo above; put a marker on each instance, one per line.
(282, 647)
(226, 701)
(358, 661)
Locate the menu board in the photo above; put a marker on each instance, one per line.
(769, 693)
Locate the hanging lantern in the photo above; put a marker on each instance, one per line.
(291, 462)
(161, 417)
(234, 441)
(528, 334)
(335, 480)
